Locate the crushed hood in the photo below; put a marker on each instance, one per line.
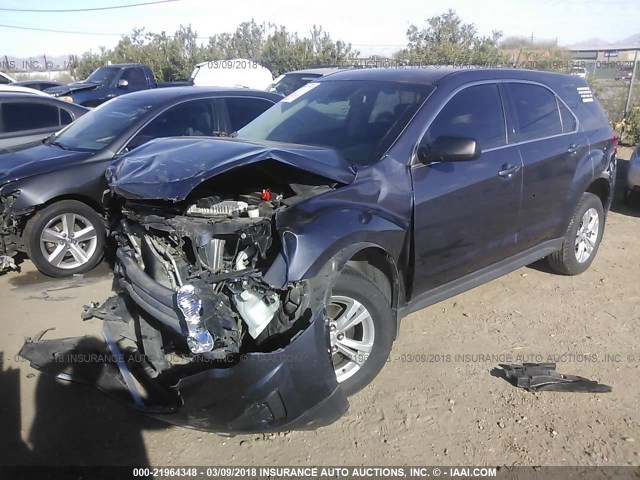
(170, 168)
(72, 87)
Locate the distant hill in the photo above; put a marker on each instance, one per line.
(599, 42)
(633, 39)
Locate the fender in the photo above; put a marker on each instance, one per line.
(84, 180)
(595, 165)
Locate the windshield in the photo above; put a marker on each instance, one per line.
(359, 119)
(103, 75)
(290, 82)
(98, 128)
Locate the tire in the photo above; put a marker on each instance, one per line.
(63, 255)
(368, 341)
(582, 239)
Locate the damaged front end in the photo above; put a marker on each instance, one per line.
(197, 335)
(11, 225)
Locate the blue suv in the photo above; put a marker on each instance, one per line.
(275, 266)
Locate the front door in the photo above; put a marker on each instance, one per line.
(466, 213)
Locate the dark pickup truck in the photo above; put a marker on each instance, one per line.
(108, 82)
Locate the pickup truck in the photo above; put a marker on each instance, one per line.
(108, 82)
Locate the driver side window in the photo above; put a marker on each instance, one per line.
(194, 118)
(135, 76)
(475, 112)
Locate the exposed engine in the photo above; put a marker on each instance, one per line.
(213, 252)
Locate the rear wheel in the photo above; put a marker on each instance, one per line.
(361, 328)
(582, 239)
(65, 238)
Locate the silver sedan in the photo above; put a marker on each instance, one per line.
(633, 176)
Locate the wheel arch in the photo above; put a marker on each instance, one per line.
(602, 189)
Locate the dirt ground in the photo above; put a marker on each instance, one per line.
(428, 406)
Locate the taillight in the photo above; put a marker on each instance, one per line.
(614, 142)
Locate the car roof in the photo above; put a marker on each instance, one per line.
(118, 65)
(40, 99)
(171, 93)
(435, 75)
(34, 80)
(318, 71)
(12, 88)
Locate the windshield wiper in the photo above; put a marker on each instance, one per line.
(58, 144)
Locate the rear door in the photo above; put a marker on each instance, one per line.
(465, 213)
(551, 148)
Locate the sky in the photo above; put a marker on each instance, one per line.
(371, 26)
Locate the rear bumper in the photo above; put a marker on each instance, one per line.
(292, 388)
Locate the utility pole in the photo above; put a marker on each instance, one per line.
(633, 79)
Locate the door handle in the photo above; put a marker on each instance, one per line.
(573, 149)
(508, 170)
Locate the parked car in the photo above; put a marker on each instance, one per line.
(275, 267)
(5, 79)
(579, 72)
(235, 73)
(633, 177)
(51, 194)
(26, 119)
(38, 84)
(624, 73)
(13, 88)
(109, 82)
(290, 82)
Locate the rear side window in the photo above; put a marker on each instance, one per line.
(23, 116)
(474, 112)
(65, 117)
(244, 110)
(536, 111)
(568, 120)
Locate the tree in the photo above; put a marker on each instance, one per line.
(246, 42)
(538, 55)
(173, 57)
(446, 40)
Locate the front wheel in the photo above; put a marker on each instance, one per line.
(361, 330)
(582, 239)
(65, 238)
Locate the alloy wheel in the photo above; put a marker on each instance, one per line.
(68, 241)
(587, 235)
(352, 334)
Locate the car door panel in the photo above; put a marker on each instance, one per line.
(466, 213)
(465, 216)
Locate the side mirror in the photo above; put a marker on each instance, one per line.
(122, 83)
(449, 149)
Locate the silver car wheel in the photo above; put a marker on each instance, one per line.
(352, 334)
(68, 241)
(587, 235)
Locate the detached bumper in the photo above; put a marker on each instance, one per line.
(294, 388)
